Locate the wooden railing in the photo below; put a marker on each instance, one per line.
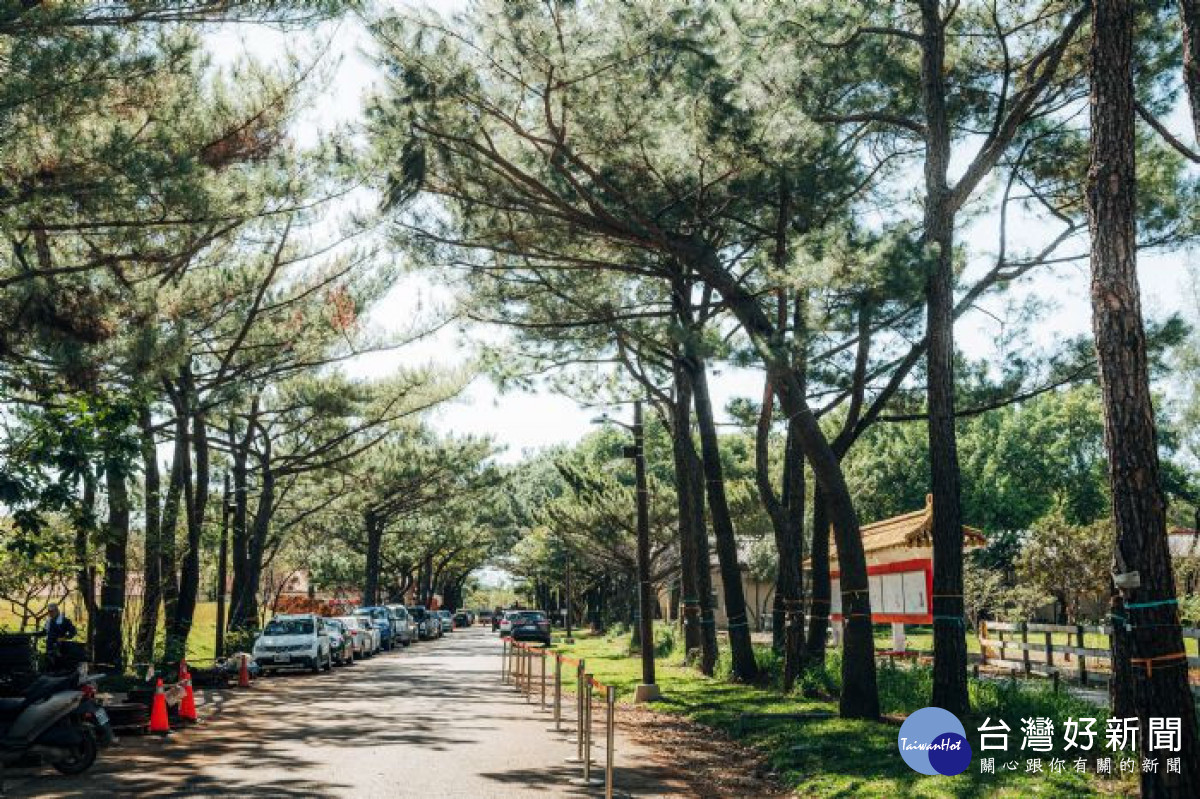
(1031, 648)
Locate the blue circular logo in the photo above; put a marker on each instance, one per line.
(933, 741)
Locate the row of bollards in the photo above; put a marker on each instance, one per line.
(517, 668)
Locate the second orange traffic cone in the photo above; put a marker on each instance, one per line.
(187, 706)
(158, 710)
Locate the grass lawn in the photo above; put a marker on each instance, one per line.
(825, 756)
(201, 643)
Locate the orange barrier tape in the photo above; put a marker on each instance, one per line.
(570, 660)
(1149, 662)
(596, 683)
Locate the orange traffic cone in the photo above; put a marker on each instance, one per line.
(244, 673)
(187, 706)
(158, 711)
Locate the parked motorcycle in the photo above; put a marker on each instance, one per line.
(58, 720)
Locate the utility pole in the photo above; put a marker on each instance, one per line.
(222, 567)
(648, 690)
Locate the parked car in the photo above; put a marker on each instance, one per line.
(447, 620)
(462, 619)
(506, 622)
(381, 617)
(363, 632)
(402, 624)
(428, 627)
(530, 625)
(294, 640)
(341, 642)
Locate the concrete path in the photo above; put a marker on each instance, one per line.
(428, 721)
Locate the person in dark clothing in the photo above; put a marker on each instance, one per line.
(58, 628)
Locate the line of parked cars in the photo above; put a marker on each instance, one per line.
(523, 625)
(318, 643)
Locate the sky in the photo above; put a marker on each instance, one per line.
(523, 422)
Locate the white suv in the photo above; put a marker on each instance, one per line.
(294, 640)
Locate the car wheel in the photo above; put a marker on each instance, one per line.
(315, 668)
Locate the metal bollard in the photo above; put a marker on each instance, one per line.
(542, 658)
(586, 726)
(610, 699)
(504, 662)
(587, 736)
(579, 711)
(557, 694)
(528, 674)
(578, 756)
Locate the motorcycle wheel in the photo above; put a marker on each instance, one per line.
(83, 758)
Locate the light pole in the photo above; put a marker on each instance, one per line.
(648, 690)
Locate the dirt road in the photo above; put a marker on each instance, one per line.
(428, 721)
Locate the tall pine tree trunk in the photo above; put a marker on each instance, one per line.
(790, 583)
(860, 691)
(681, 428)
(819, 586)
(109, 643)
(374, 532)
(151, 576)
(1189, 13)
(167, 560)
(745, 667)
(786, 513)
(85, 577)
(704, 588)
(1151, 643)
(196, 498)
(949, 631)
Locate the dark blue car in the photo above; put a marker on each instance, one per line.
(382, 621)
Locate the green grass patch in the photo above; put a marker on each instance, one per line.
(817, 754)
(201, 642)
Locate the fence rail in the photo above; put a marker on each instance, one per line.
(1031, 647)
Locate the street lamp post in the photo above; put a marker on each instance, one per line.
(648, 690)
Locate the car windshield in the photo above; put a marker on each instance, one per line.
(417, 613)
(532, 616)
(289, 627)
(374, 613)
(350, 622)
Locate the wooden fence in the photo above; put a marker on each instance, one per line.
(1033, 649)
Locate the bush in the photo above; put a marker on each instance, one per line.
(665, 640)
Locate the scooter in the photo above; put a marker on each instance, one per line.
(58, 721)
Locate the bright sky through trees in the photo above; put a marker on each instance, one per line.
(521, 420)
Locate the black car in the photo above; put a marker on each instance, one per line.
(462, 619)
(531, 625)
(428, 625)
